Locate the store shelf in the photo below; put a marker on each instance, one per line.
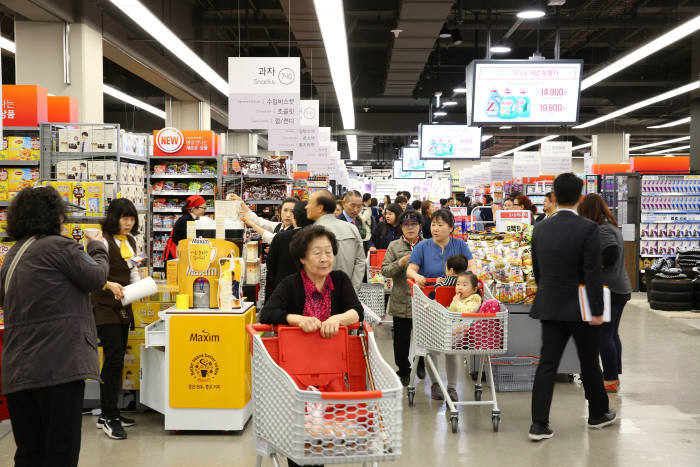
(680, 221)
(174, 210)
(659, 256)
(670, 238)
(264, 202)
(161, 229)
(183, 176)
(159, 249)
(668, 212)
(281, 177)
(4, 235)
(672, 194)
(19, 128)
(96, 155)
(4, 204)
(18, 163)
(183, 158)
(181, 193)
(86, 219)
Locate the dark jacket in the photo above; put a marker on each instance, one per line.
(279, 262)
(50, 336)
(381, 240)
(180, 227)
(565, 254)
(427, 233)
(107, 309)
(289, 298)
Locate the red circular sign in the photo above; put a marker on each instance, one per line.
(170, 140)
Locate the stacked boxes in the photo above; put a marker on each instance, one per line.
(87, 138)
(14, 179)
(22, 148)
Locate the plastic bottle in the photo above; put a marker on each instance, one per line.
(493, 104)
(507, 108)
(225, 289)
(523, 104)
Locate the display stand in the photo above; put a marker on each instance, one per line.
(195, 368)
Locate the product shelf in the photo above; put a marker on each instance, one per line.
(264, 202)
(20, 128)
(658, 256)
(67, 156)
(175, 210)
(4, 204)
(644, 211)
(161, 229)
(19, 163)
(183, 176)
(675, 193)
(182, 193)
(4, 235)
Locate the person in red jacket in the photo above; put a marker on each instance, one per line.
(195, 207)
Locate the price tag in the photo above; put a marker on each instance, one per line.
(514, 227)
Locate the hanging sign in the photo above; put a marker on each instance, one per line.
(555, 157)
(526, 164)
(24, 105)
(587, 164)
(263, 93)
(170, 142)
(282, 140)
(501, 169)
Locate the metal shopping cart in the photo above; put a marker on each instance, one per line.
(436, 329)
(372, 298)
(357, 417)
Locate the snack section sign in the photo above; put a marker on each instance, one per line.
(263, 93)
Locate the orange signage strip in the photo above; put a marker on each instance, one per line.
(23, 105)
(62, 109)
(602, 169)
(648, 164)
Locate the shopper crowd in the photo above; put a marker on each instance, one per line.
(59, 298)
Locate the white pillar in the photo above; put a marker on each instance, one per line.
(610, 148)
(187, 115)
(241, 143)
(75, 71)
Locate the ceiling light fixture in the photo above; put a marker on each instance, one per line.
(582, 146)
(644, 51)
(531, 13)
(352, 146)
(486, 137)
(439, 113)
(652, 100)
(664, 151)
(449, 103)
(331, 20)
(445, 33)
(505, 127)
(7, 44)
(661, 143)
(527, 145)
(110, 91)
(153, 26)
(500, 49)
(682, 121)
(460, 90)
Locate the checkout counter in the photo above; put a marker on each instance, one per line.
(195, 362)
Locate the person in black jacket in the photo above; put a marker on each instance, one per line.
(279, 259)
(565, 254)
(387, 230)
(315, 298)
(195, 207)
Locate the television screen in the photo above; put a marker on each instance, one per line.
(398, 173)
(449, 142)
(512, 92)
(410, 161)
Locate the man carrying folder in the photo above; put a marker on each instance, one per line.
(565, 255)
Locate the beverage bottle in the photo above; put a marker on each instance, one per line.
(507, 106)
(493, 103)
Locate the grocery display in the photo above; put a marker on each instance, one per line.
(258, 181)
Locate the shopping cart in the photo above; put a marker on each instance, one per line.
(436, 329)
(356, 419)
(4, 412)
(374, 270)
(372, 297)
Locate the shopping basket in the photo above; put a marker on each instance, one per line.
(436, 329)
(374, 262)
(357, 420)
(372, 297)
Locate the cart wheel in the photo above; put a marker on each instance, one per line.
(496, 420)
(477, 395)
(453, 421)
(411, 395)
(474, 374)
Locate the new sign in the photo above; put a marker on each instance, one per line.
(174, 142)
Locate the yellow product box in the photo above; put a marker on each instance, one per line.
(11, 195)
(16, 173)
(23, 154)
(171, 273)
(94, 195)
(77, 195)
(145, 313)
(138, 333)
(3, 220)
(77, 231)
(19, 185)
(3, 174)
(130, 378)
(19, 142)
(36, 148)
(64, 189)
(132, 356)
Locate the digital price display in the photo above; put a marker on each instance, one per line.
(411, 161)
(399, 173)
(511, 92)
(449, 142)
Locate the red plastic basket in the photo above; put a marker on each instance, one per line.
(376, 258)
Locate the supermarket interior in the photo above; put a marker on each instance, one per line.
(243, 232)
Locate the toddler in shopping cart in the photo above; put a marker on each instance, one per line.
(454, 266)
(467, 298)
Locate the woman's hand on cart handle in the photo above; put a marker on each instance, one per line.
(306, 323)
(330, 327)
(373, 248)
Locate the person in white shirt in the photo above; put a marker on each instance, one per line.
(265, 228)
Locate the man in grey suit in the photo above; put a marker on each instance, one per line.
(351, 254)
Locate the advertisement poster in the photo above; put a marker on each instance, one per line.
(526, 164)
(450, 142)
(399, 173)
(263, 93)
(555, 157)
(525, 92)
(411, 161)
(172, 142)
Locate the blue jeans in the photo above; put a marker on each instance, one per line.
(610, 345)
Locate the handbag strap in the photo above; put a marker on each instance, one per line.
(15, 260)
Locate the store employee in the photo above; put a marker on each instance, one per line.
(195, 207)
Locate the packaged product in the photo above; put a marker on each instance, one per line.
(158, 186)
(662, 230)
(78, 194)
(3, 220)
(4, 190)
(64, 189)
(94, 194)
(130, 378)
(159, 169)
(209, 169)
(194, 186)
(208, 187)
(171, 169)
(4, 174)
(182, 168)
(177, 186)
(73, 140)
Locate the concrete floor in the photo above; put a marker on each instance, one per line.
(659, 406)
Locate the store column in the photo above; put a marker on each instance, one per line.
(187, 115)
(241, 143)
(695, 109)
(610, 148)
(64, 58)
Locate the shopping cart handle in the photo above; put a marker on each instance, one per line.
(255, 329)
(352, 395)
(479, 315)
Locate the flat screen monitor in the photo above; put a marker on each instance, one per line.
(398, 173)
(411, 161)
(523, 92)
(448, 142)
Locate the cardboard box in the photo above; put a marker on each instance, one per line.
(64, 189)
(110, 139)
(73, 140)
(78, 194)
(145, 313)
(130, 378)
(94, 194)
(138, 333)
(110, 170)
(96, 170)
(36, 148)
(63, 140)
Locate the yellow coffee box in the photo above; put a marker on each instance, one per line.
(78, 193)
(4, 191)
(145, 313)
(138, 333)
(171, 273)
(94, 194)
(130, 378)
(36, 148)
(64, 189)
(3, 174)
(19, 142)
(17, 173)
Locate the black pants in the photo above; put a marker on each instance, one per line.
(46, 424)
(610, 344)
(113, 339)
(402, 344)
(555, 335)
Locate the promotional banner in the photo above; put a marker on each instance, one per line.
(263, 93)
(507, 92)
(172, 142)
(526, 164)
(501, 169)
(410, 161)
(555, 157)
(450, 142)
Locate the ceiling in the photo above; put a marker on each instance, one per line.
(394, 78)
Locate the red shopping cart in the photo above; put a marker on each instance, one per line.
(4, 413)
(323, 401)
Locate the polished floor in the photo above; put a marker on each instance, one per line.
(659, 408)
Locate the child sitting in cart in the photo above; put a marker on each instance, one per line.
(454, 266)
(467, 298)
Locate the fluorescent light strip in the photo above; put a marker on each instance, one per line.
(646, 102)
(527, 145)
(661, 143)
(486, 138)
(664, 151)
(8, 45)
(460, 90)
(331, 20)
(644, 51)
(110, 91)
(582, 146)
(153, 26)
(352, 146)
(439, 114)
(682, 121)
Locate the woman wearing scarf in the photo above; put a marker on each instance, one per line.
(394, 266)
(194, 208)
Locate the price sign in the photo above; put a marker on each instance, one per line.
(526, 164)
(514, 227)
(501, 170)
(517, 217)
(555, 157)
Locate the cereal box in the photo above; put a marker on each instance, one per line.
(78, 194)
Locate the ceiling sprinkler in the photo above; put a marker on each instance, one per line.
(366, 109)
(396, 32)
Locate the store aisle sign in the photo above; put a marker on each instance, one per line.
(555, 157)
(309, 113)
(172, 142)
(523, 92)
(449, 142)
(24, 105)
(587, 164)
(526, 164)
(263, 93)
(501, 169)
(506, 219)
